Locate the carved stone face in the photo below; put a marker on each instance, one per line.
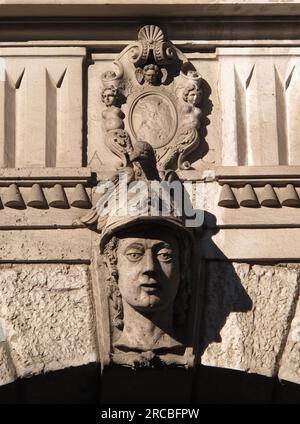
(193, 97)
(109, 97)
(151, 75)
(149, 270)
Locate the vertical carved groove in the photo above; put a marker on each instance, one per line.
(289, 78)
(248, 80)
(292, 97)
(51, 121)
(19, 80)
(61, 79)
(281, 120)
(10, 117)
(9, 123)
(241, 123)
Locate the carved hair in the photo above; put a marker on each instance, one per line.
(151, 67)
(111, 260)
(181, 299)
(191, 88)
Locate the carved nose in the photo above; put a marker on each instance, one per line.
(149, 264)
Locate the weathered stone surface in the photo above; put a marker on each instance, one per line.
(250, 120)
(99, 157)
(290, 361)
(46, 245)
(247, 315)
(260, 107)
(7, 369)
(47, 311)
(49, 132)
(251, 244)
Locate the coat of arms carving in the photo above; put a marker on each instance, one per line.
(153, 95)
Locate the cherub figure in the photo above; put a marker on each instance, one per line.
(112, 116)
(150, 75)
(190, 112)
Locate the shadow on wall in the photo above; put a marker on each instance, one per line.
(223, 292)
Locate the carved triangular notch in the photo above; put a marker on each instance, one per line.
(16, 84)
(19, 80)
(60, 81)
(289, 78)
(56, 77)
(248, 80)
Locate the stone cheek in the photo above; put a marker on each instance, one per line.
(247, 317)
(48, 317)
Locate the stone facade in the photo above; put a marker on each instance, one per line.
(254, 305)
(47, 319)
(54, 151)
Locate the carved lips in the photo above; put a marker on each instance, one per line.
(151, 287)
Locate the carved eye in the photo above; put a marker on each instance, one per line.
(134, 256)
(165, 256)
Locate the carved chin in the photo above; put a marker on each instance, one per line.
(149, 302)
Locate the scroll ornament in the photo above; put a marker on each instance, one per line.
(153, 96)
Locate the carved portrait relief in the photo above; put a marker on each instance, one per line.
(143, 278)
(153, 118)
(148, 288)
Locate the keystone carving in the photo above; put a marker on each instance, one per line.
(143, 290)
(153, 95)
(143, 286)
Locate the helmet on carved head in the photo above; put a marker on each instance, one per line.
(144, 203)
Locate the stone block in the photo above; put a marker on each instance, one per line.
(46, 245)
(260, 105)
(290, 362)
(247, 315)
(251, 244)
(41, 107)
(48, 315)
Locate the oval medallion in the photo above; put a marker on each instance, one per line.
(153, 118)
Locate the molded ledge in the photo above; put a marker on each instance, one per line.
(135, 8)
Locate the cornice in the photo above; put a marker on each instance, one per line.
(92, 30)
(135, 8)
